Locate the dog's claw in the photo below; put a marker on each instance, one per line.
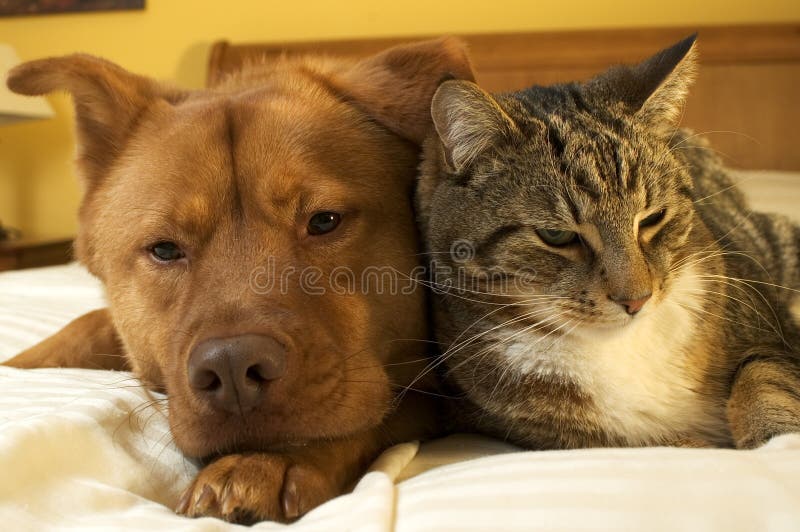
(290, 499)
(207, 499)
(183, 504)
(231, 504)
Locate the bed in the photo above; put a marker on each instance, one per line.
(82, 449)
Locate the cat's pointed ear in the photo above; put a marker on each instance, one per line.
(468, 121)
(108, 100)
(655, 89)
(395, 86)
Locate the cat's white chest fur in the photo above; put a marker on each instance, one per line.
(639, 375)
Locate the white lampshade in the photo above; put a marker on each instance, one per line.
(13, 107)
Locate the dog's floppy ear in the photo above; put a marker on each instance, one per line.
(396, 86)
(108, 100)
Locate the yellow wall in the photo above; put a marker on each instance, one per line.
(170, 40)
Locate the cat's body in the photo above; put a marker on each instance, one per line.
(638, 302)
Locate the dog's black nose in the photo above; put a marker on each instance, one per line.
(231, 372)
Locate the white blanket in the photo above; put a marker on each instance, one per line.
(90, 450)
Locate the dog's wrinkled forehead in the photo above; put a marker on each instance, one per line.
(259, 153)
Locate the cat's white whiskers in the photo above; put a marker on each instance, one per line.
(474, 323)
(735, 283)
(481, 355)
(748, 281)
(523, 317)
(724, 280)
(451, 351)
(448, 288)
(714, 254)
(696, 309)
(773, 327)
(455, 346)
(693, 259)
(745, 281)
(712, 245)
(499, 343)
(509, 367)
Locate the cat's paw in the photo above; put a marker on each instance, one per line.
(762, 427)
(246, 488)
(764, 402)
(690, 443)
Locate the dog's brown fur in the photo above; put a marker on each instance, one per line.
(233, 174)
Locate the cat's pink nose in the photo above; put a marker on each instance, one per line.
(632, 306)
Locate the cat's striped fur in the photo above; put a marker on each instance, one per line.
(564, 359)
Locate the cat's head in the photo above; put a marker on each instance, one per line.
(581, 187)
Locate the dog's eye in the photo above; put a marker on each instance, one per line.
(166, 252)
(557, 237)
(653, 219)
(323, 222)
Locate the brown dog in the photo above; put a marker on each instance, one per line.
(203, 214)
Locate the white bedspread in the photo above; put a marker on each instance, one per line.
(89, 450)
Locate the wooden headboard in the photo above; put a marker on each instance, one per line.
(746, 99)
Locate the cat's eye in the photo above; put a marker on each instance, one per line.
(323, 222)
(166, 251)
(652, 219)
(557, 237)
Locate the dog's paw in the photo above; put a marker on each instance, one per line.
(246, 488)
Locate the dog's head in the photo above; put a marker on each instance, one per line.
(255, 239)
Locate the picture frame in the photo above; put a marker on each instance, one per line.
(10, 8)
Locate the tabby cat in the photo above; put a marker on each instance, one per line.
(600, 280)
